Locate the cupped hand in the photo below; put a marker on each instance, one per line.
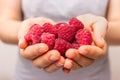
(87, 54)
(39, 54)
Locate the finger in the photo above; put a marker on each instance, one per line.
(34, 51)
(68, 64)
(47, 59)
(55, 66)
(99, 31)
(92, 51)
(78, 58)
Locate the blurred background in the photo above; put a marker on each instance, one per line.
(8, 58)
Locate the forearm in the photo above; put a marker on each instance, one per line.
(113, 33)
(9, 30)
(10, 20)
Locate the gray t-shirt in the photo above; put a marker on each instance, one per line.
(62, 10)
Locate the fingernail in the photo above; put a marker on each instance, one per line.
(53, 58)
(102, 42)
(20, 41)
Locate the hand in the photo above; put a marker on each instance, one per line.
(39, 54)
(87, 54)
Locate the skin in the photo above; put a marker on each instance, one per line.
(86, 55)
(114, 22)
(105, 31)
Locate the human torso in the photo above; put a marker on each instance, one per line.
(62, 10)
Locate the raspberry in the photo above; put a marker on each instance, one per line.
(84, 37)
(33, 35)
(75, 45)
(60, 36)
(50, 28)
(60, 25)
(67, 33)
(48, 39)
(76, 23)
(62, 45)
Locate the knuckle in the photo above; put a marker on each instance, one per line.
(36, 64)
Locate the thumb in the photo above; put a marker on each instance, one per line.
(99, 33)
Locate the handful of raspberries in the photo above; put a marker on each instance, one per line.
(60, 36)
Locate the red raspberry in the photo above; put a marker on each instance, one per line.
(60, 25)
(60, 36)
(50, 28)
(67, 33)
(33, 35)
(75, 45)
(62, 45)
(48, 39)
(76, 23)
(84, 37)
